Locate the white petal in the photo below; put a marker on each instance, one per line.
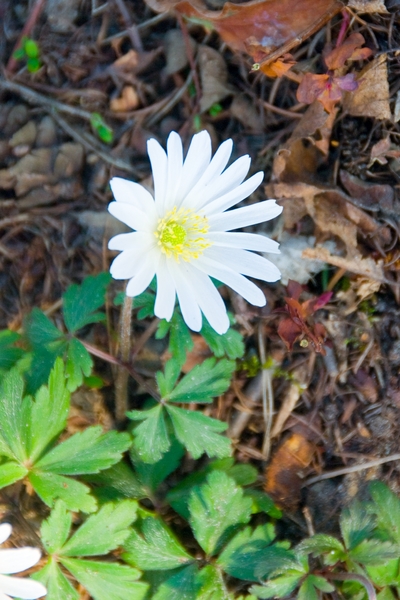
(144, 276)
(219, 186)
(212, 172)
(4, 597)
(133, 217)
(245, 262)
(249, 241)
(175, 163)
(130, 241)
(209, 300)
(129, 192)
(196, 161)
(186, 295)
(15, 560)
(234, 196)
(159, 167)
(5, 532)
(242, 217)
(234, 280)
(166, 293)
(22, 588)
(129, 262)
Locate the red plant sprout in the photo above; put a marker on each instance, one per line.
(298, 325)
(329, 87)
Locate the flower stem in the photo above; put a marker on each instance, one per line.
(121, 384)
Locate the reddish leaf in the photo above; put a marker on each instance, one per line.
(279, 67)
(350, 49)
(289, 332)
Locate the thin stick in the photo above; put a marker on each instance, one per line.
(121, 384)
(267, 396)
(354, 577)
(353, 469)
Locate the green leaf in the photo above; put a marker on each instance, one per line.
(152, 475)
(9, 354)
(322, 543)
(10, 472)
(42, 363)
(229, 344)
(12, 426)
(199, 433)
(205, 381)
(355, 524)
(277, 588)
(387, 508)
(307, 590)
(156, 549)
(39, 329)
(262, 503)
(385, 594)
(31, 48)
(104, 132)
(79, 364)
(151, 439)
(117, 482)
(48, 414)
(51, 487)
(180, 339)
(88, 451)
(103, 532)
(181, 586)
(107, 581)
(386, 574)
(250, 552)
(167, 380)
(374, 552)
(217, 509)
(80, 302)
(33, 65)
(57, 584)
(55, 530)
(212, 585)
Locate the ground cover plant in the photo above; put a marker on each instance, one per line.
(189, 410)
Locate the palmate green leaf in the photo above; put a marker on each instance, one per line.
(277, 588)
(116, 483)
(249, 552)
(41, 364)
(79, 364)
(58, 586)
(106, 581)
(322, 543)
(212, 585)
(386, 574)
(321, 583)
(51, 487)
(203, 382)
(386, 594)
(178, 497)
(103, 532)
(307, 590)
(10, 472)
(39, 330)
(151, 439)
(262, 503)
(9, 354)
(180, 340)
(199, 433)
(156, 549)
(387, 508)
(46, 417)
(374, 552)
(356, 524)
(229, 344)
(151, 475)
(217, 509)
(55, 530)
(167, 380)
(86, 452)
(80, 302)
(182, 585)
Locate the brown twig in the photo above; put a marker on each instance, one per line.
(121, 383)
(353, 469)
(354, 577)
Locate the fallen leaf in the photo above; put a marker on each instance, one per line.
(283, 476)
(383, 150)
(349, 49)
(213, 77)
(368, 196)
(278, 67)
(355, 264)
(371, 99)
(129, 100)
(175, 50)
(368, 6)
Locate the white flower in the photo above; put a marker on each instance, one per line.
(14, 560)
(184, 236)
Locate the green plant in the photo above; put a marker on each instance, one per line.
(29, 51)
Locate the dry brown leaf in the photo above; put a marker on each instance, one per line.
(355, 264)
(283, 475)
(213, 76)
(383, 150)
(176, 51)
(244, 110)
(288, 405)
(129, 100)
(368, 6)
(371, 98)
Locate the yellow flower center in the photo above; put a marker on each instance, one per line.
(182, 234)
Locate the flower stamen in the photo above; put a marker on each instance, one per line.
(182, 234)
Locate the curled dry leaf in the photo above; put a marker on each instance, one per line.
(368, 6)
(354, 264)
(283, 476)
(129, 100)
(213, 77)
(383, 150)
(371, 99)
(264, 29)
